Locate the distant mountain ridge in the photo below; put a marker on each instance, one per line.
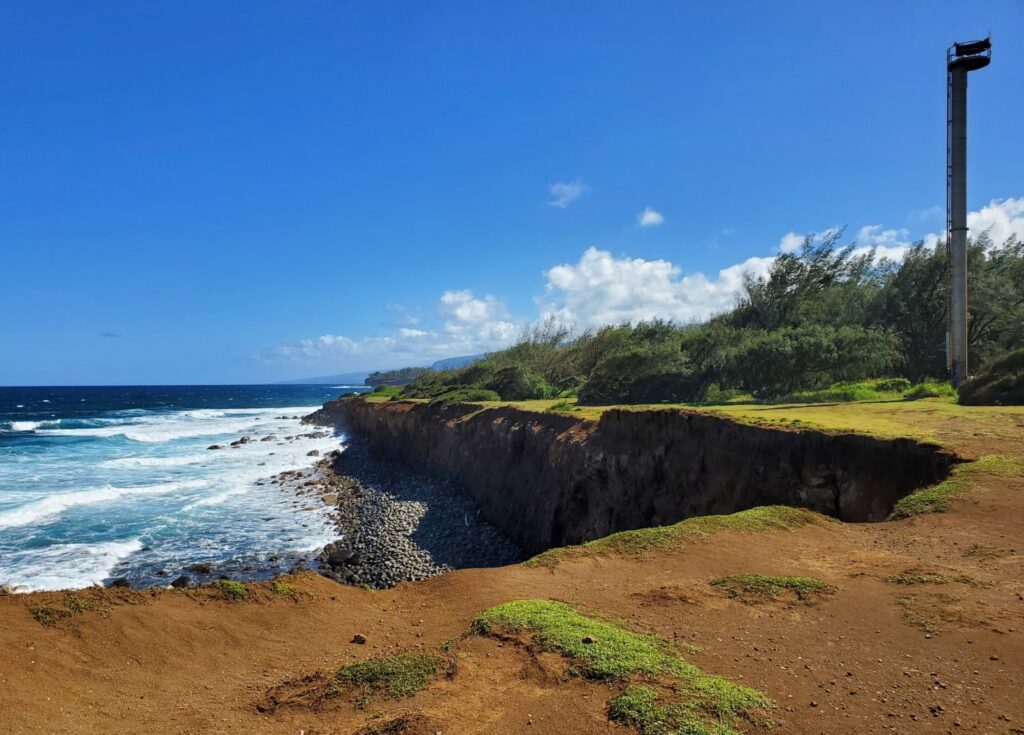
(359, 378)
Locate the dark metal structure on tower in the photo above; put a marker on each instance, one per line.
(961, 58)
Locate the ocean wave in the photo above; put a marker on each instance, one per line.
(54, 505)
(65, 566)
(157, 428)
(177, 461)
(24, 425)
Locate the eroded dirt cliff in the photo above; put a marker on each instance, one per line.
(552, 480)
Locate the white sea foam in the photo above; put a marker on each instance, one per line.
(64, 566)
(25, 425)
(173, 461)
(52, 505)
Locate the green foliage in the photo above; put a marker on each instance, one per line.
(930, 389)
(563, 407)
(601, 650)
(518, 383)
(824, 316)
(465, 394)
(48, 616)
(883, 389)
(397, 377)
(749, 587)
(384, 391)
(284, 590)
(232, 590)
(939, 498)
(639, 707)
(401, 675)
(754, 520)
(1000, 383)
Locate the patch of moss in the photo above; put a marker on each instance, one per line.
(750, 587)
(939, 498)
(49, 616)
(232, 590)
(283, 590)
(394, 677)
(755, 520)
(641, 707)
(601, 650)
(919, 576)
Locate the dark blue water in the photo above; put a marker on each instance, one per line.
(98, 482)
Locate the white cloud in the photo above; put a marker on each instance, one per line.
(566, 192)
(602, 289)
(469, 325)
(1000, 219)
(791, 242)
(649, 218)
(892, 244)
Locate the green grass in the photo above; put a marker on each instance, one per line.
(284, 590)
(600, 650)
(384, 391)
(749, 587)
(755, 520)
(393, 677)
(566, 406)
(939, 498)
(232, 590)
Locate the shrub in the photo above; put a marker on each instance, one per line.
(517, 383)
(999, 384)
(232, 590)
(646, 374)
(465, 394)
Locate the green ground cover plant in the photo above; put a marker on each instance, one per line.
(754, 520)
(695, 702)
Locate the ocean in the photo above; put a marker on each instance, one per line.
(105, 482)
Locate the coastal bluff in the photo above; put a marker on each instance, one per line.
(552, 480)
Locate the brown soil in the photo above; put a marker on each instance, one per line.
(876, 656)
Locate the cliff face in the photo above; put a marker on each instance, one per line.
(551, 480)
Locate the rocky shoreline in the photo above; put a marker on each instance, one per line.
(395, 525)
(398, 525)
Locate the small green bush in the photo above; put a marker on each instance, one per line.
(232, 590)
(517, 383)
(930, 389)
(1000, 384)
(395, 677)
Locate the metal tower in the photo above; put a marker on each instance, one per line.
(960, 59)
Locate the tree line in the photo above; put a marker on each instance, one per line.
(825, 314)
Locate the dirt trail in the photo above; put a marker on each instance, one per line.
(876, 656)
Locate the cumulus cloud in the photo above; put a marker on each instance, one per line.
(603, 289)
(649, 218)
(892, 244)
(999, 219)
(565, 193)
(791, 242)
(468, 325)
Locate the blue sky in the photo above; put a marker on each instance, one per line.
(249, 191)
